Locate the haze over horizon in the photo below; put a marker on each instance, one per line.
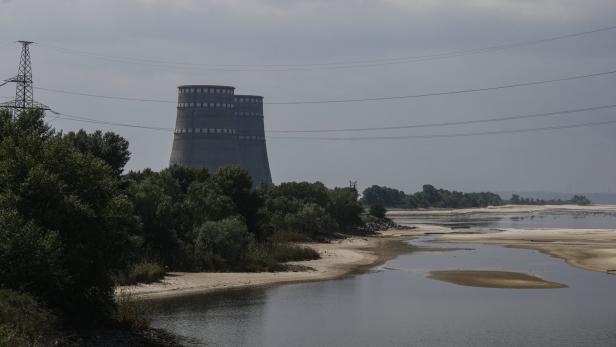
(285, 33)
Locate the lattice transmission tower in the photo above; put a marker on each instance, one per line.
(24, 95)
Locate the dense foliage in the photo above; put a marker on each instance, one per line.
(428, 197)
(71, 222)
(64, 220)
(442, 198)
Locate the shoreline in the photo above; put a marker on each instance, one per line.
(587, 249)
(593, 250)
(340, 258)
(504, 209)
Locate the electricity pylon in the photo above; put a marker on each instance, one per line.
(24, 96)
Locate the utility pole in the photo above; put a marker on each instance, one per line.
(24, 94)
(353, 185)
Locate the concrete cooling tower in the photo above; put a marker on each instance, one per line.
(215, 127)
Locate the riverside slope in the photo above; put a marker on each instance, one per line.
(338, 258)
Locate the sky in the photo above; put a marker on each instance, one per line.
(125, 46)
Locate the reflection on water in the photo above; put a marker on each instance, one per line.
(396, 305)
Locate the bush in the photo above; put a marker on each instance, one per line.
(378, 211)
(23, 322)
(310, 220)
(222, 245)
(269, 256)
(289, 236)
(140, 273)
(286, 252)
(129, 314)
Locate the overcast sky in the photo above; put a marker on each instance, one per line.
(287, 32)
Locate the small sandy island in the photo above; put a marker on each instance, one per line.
(338, 258)
(494, 279)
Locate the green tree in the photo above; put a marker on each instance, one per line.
(378, 211)
(345, 208)
(378, 195)
(110, 147)
(64, 207)
(222, 245)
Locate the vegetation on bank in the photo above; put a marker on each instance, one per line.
(428, 197)
(442, 198)
(72, 223)
(575, 200)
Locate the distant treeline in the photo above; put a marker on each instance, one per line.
(442, 198)
(575, 200)
(72, 223)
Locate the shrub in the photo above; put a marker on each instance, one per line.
(286, 252)
(222, 245)
(289, 236)
(269, 256)
(140, 273)
(23, 322)
(129, 313)
(309, 220)
(378, 211)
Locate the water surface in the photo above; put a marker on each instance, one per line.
(396, 305)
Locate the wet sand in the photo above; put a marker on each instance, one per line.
(590, 249)
(505, 209)
(494, 279)
(338, 258)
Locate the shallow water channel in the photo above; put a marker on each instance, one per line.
(396, 305)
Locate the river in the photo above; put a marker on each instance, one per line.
(396, 305)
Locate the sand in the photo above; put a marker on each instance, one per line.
(590, 249)
(338, 258)
(505, 209)
(494, 279)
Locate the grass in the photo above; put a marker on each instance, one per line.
(129, 313)
(140, 273)
(271, 256)
(288, 252)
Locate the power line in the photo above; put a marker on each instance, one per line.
(320, 65)
(453, 92)
(60, 91)
(466, 122)
(96, 121)
(82, 119)
(349, 100)
(433, 136)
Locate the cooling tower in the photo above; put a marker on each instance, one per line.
(215, 127)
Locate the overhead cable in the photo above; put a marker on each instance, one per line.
(351, 100)
(320, 65)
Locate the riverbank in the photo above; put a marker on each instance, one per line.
(338, 258)
(505, 209)
(589, 249)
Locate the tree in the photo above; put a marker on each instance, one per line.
(378, 211)
(222, 244)
(377, 195)
(62, 206)
(345, 208)
(110, 147)
(236, 183)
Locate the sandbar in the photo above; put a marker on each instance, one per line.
(494, 279)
